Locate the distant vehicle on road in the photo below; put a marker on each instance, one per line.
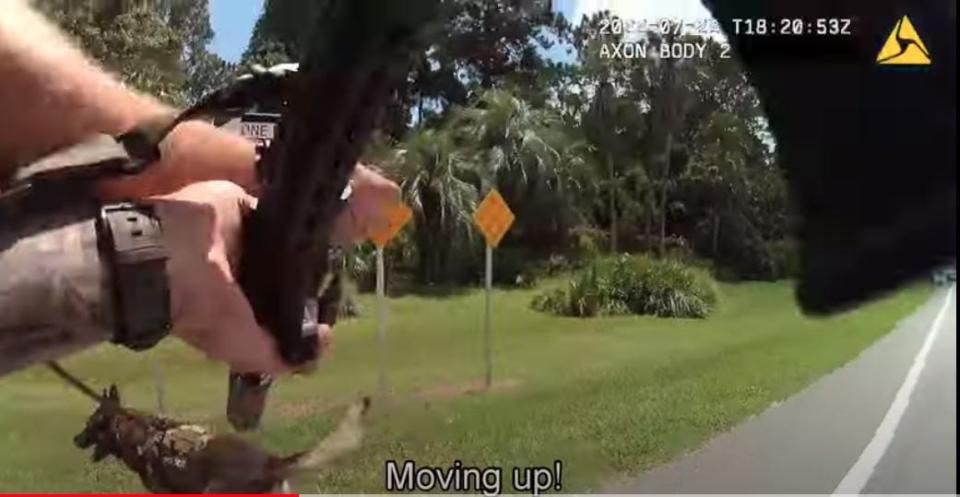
(945, 275)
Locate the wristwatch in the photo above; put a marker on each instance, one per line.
(129, 239)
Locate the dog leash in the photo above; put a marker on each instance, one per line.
(73, 381)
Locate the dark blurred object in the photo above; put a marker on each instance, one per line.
(944, 276)
(358, 54)
(869, 150)
(247, 399)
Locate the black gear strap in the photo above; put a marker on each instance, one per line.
(68, 175)
(131, 247)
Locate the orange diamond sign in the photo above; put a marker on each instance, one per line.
(493, 217)
(396, 217)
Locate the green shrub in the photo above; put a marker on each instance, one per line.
(761, 261)
(589, 242)
(672, 244)
(784, 258)
(556, 264)
(586, 295)
(361, 266)
(633, 285)
(688, 257)
(513, 266)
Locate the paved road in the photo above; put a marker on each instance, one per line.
(884, 423)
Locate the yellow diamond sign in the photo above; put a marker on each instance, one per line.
(396, 217)
(493, 217)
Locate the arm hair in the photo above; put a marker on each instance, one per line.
(51, 94)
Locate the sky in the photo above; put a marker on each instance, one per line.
(634, 9)
(233, 20)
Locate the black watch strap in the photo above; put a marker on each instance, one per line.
(131, 247)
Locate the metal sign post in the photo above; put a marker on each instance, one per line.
(381, 324)
(396, 217)
(159, 385)
(494, 218)
(487, 336)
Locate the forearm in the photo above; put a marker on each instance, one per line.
(51, 94)
(53, 297)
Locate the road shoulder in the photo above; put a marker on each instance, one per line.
(807, 443)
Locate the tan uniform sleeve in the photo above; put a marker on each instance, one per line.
(53, 297)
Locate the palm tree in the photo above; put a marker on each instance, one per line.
(665, 86)
(614, 127)
(507, 135)
(517, 149)
(439, 184)
(723, 139)
(718, 169)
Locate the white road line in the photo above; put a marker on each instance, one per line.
(862, 470)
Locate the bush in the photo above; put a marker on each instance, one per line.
(672, 243)
(633, 285)
(589, 242)
(761, 261)
(360, 263)
(556, 264)
(785, 258)
(361, 266)
(687, 256)
(587, 294)
(512, 266)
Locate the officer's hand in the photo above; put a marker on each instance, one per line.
(194, 151)
(365, 210)
(201, 225)
(202, 231)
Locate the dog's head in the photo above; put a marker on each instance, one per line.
(100, 425)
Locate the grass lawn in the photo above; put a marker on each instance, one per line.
(607, 397)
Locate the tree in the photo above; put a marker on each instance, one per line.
(281, 31)
(482, 44)
(718, 170)
(494, 43)
(436, 184)
(156, 46)
(613, 116)
(614, 127)
(205, 70)
(733, 196)
(517, 149)
(670, 97)
(674, 144)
